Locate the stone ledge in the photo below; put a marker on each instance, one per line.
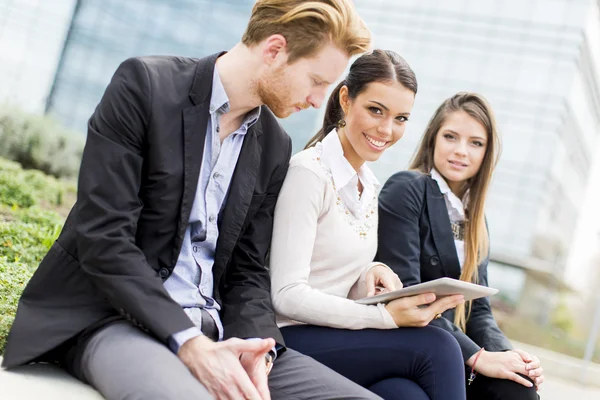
(43, 381)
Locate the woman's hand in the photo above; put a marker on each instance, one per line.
(502, 365)
(381, 279)
(409, 311)
(535, 372)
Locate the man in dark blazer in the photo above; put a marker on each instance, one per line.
(159, 272)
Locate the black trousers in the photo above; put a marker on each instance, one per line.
(484, 388)
(403, 364)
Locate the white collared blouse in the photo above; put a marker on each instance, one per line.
(456, 210)
(324, 241)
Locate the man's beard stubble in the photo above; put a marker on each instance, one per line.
(273, 92)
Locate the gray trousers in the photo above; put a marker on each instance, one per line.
(122, 362)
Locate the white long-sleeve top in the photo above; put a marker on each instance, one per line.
(324, 241)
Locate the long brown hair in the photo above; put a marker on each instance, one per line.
(375, 66)
(476, 234)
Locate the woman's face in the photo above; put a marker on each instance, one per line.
(375, 120)
(460, 147)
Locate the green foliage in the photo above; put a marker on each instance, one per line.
(38, 142)
(8, 165)
(562, 318)
(25, 188)
(13, 192)
(32, 207)
(552, 337)
(28, 239)
(13, 278)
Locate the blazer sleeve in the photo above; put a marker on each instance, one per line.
(401, 203)
(248, 311)
(481, 325)
(296, 221)
(108, 206)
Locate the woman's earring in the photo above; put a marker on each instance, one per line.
(341, 123)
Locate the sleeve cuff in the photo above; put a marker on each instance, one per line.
(388, 320)
(178, 339)
(359, 289)
(363, 275)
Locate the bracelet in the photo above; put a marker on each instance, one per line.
(473, 373)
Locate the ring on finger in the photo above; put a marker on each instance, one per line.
(269, 360)
(438, 315)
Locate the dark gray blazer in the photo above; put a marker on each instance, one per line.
(137, 184)
(416, 241)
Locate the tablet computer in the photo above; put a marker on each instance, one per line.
(441, 287)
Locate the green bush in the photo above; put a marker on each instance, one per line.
(13, 192)
(32, 210)
(13, 278)
(7, 165)
(38, 142)
(25, 188)
(27, 241)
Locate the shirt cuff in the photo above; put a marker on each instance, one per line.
(363, 275)
(178, 339)
(273, 351)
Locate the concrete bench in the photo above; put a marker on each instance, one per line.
(43, 381)
(48, 382)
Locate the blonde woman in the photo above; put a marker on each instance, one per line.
(432, 225)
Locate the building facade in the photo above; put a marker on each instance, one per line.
(532, 60)
(104, 33)
(32, 34)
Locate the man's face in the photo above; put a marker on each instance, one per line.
(287, 88)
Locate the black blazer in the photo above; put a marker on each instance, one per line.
(416, 241)
(137, 184)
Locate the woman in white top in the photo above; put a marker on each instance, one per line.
(325, 238)
(432, 225)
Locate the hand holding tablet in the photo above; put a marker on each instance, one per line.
(440, 287)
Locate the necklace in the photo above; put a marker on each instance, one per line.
(458, 230)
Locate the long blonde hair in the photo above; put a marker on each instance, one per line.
(476, 234)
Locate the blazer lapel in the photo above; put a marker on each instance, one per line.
(239, 197)
(441, 230)
(195, 121)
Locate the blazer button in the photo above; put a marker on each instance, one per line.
(163, 272)
(434, 260)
